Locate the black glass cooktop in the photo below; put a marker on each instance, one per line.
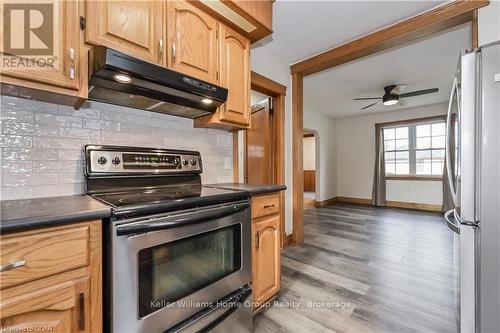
(169, 197)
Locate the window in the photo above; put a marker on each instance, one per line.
(416, 149)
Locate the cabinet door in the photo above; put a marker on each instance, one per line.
(235, 76)
(65, 66)
(63, 308)
(266, 259)
(192, 38)
(132, 27)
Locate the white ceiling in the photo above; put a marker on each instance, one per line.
(429, 63)
(305, 28)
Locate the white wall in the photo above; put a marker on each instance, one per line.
(326, 157)
(489, 23)
(356, 155)
(309, 148)
(267, 63)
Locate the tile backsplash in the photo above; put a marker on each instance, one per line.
(42, 143)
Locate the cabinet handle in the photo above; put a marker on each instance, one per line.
(12, 265)
(173, 52)
(81, 319)
(270, 206)
(72, 71)
(160, 49)
(257, 240)
(71, 54)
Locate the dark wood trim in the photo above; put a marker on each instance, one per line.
(412, 121)
(277, 92)
(266, 86)
(357, 201)
(368, 202)
(414, 206)
(422, 178)
(308, 135)
(297, 158)
(288, 240)
(324, 203)
(474, 30)
(438, 19)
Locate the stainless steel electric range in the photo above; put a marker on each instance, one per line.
(176, 254)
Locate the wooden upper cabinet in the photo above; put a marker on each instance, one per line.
(235, 75)
(132, 27)
(65, 69)
(252, 18)
(266, 259)
(192, 38)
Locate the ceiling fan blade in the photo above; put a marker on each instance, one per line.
(398, 89)
(365, 98)
(366, 107)
(419, 92)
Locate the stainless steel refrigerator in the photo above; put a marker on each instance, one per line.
(473, 170)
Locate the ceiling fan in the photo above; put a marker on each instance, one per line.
(393, 94)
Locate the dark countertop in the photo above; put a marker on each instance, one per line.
(20, 215)
(254, 189)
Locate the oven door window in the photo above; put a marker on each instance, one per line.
(171, 271)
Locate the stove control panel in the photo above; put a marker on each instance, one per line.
(114, 160)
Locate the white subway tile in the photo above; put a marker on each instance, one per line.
(22, 179)
(70, 177)
(80, 133)
(59, 133)
(70, 155)
(65, 110)
(16, 141)
(56, 142)
(40, 191)
(17, 166)
(17, 115)
(15, 193)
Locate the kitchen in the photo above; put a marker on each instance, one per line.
(123, 206)
(135, 113)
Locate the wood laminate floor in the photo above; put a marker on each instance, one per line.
(365, 269)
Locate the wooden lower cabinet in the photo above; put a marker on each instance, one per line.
(266, 253)
(63, 307)
(68, 295)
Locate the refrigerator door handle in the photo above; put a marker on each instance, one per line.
(454, 226)
(447, 143)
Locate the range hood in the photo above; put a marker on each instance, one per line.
(123, 80)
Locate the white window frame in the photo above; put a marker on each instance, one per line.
(412, 148)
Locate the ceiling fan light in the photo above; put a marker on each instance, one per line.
(391, 101)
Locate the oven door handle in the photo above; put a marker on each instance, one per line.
(181, 219)
(210, 317)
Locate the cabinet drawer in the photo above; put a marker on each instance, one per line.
(265, 205)
(27, 257)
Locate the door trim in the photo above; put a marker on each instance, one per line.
(277, 92)
(438, 19)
